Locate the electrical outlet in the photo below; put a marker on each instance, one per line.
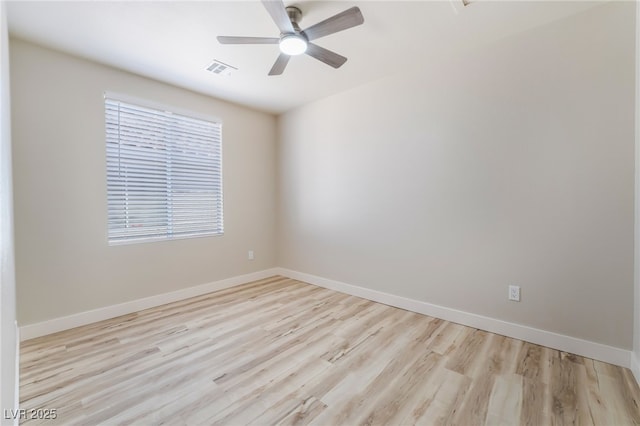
(250, 255)
(514, 293)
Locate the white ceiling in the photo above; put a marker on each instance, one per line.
(175, 41)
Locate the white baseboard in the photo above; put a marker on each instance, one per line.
(31, 331)
(635, 367)
(549, 339)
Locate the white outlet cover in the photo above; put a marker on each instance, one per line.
(514, 293)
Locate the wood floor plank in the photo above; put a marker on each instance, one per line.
(473, 407)
(370, 398)
(397, 395)
(444, 398)
(465, 359)
(304, 412)
(566, 393)
(536, 403)
(505, 401)
(279, 351)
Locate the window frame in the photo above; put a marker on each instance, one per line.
(216, 179)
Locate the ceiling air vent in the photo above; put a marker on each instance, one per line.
(220, 68)
(458, 5)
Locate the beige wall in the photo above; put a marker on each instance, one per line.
(63, 262)
(511, 165)
(8, 334)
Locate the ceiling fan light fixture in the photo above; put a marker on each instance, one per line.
(293, 44)
(295, 41)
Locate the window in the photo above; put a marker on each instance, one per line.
(164, 174)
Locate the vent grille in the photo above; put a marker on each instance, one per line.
(459, 5)
(220, 68)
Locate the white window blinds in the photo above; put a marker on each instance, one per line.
(164, 174)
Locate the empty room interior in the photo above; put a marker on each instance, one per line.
(320, 212)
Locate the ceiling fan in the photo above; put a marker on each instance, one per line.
(294, 41)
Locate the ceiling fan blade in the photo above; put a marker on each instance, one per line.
(342, 21)
(280, 64)
(247, 40)
(326, 56)
(279, 15)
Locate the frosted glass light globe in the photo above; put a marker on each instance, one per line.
(293, 44)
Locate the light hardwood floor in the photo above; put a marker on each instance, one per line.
(279, 351)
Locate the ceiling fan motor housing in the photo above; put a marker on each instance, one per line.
(295, 15)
